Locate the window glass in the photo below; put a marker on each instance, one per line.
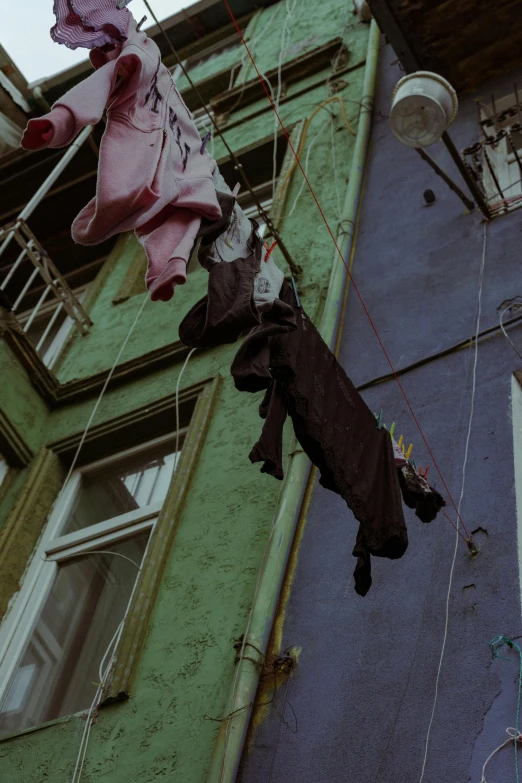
(59, 672)
(127, 486)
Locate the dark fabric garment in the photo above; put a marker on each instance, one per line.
(251, 366)
(333, 425)
(210, 230)
(269, 448)
(4, 301)
(417, 494)
(228, 308)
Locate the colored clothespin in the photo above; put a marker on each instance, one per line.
(399, 443)
(379, 419)
(425, 474)
(236, 190)
(298, 303)
(392, 429)
(269, 250)
(413, 464)
(205, 142)
(407, 455)
(140, 23)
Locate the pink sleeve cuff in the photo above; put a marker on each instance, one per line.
(55, 129)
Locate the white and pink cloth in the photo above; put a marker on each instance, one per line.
(153, 174)
(89, 23)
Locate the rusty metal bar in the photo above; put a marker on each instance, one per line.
(449, 182)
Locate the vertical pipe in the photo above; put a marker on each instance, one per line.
(231, 737)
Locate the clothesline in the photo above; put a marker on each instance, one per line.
(374, 328)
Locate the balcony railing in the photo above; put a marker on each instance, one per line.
(33, 267)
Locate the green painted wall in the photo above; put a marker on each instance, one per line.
(188, 663)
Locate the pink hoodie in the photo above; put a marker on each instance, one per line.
(150, 155)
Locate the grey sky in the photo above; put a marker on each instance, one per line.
(25, 34)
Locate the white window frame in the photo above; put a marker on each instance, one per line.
(502, 159)
(53, 549)
(50, 356)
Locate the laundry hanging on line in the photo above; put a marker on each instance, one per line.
(284, 355)
(154, 175)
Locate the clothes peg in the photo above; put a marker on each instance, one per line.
(206, 141)
(123, 3)
(392, 429)
(413, 464)
(236, 190)
(269, 250)
(407, 455)
(298, 303)
(140, 23)
(399, 443)
(379, 419)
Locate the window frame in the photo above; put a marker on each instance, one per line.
(501, 158)
(56, 548)
(45, 474)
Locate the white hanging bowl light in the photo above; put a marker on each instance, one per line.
(424, 105)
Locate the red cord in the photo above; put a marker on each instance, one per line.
(345, 264)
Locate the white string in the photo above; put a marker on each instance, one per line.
(513, 737)
(177, 401)
(113, 644)
(334, 164)
(282, 52)
(472, 408)
(88, 723)
(307, 161)
(508, 338)
(98, 401)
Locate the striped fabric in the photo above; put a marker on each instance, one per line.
(89, 23)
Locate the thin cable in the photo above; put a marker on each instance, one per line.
(307, 161)
(177, 403)
(494, 645)
(238, 166)
(508, 338)
(514, 736)
(103, 674)
(104, 387)
(428, 588)
(323, 216)
(464, 464)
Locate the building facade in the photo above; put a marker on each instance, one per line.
(105, 548)
(169, 612)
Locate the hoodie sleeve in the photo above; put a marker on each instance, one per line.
(83, 105)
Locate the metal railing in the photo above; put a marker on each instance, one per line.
(55, 285)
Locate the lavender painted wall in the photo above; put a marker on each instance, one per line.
(367, 668)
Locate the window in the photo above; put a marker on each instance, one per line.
(43, 316)
(227, 50)
(49, 327)
(79, 584)
(501, 123)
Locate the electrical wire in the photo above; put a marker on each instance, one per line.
(514, 736)
(515, 306)
(356, 289)
(464, 464)
(113, 644)
(434, 356)
(237, 165)
(307, 161)
(100, 397)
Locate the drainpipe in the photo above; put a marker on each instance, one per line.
(232, 733)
